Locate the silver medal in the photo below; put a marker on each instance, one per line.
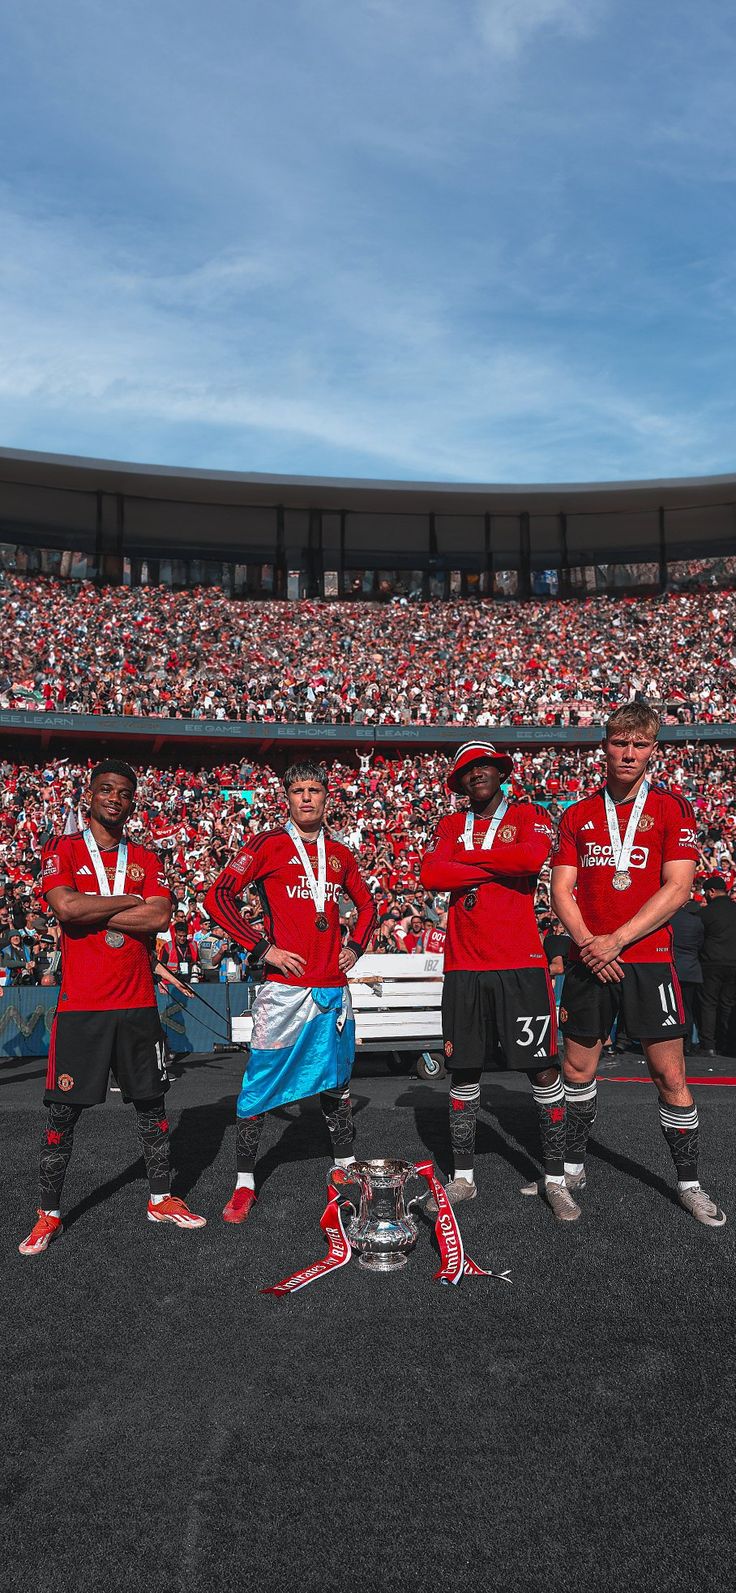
(621, 850)
(114, 939)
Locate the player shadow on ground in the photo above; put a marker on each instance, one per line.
(198, 1137)
(518, 1140)
(430, 1116)
(517, 1117)
(134, 1173)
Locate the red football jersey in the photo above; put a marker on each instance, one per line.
(666, 833)
(498, 929)
(96, 977)
(271, 864)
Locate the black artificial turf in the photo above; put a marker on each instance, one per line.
(167, 1427)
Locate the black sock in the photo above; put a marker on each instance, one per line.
(337, 1110)
(550, 1099)
(154, 1132)
(247, 1140)
(57, 1141)
(464, 1108)
(582, 1106)
(680, 1128)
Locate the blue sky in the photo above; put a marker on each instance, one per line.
(488, 240)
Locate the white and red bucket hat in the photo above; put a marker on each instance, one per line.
(476, 752)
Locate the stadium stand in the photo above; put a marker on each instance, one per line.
(196, 816)
(197, 654)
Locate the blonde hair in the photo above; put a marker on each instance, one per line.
(633, 716)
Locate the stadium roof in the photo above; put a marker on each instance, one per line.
(67, 472)
(119, 509)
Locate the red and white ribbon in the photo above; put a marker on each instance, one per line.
(338, 1254)
(455, 1263)
(449, 1237)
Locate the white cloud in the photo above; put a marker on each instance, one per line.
(506, 26)
(419, 397)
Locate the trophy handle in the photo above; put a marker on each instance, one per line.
(339, 1177)
(416, 1200)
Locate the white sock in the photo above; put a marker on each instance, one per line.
(574, 1167)
(344, 1161)
(554, 1178)
(48, 1213)
(693, 1184)
(156, 1199)
(466, 1173)
(245, 1181)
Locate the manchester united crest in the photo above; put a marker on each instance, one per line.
(448, 1048)
(66, 1081)
(646, 822)
(335, 865)
(136, 871)
(507, 832)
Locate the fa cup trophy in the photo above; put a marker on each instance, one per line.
(382, 1229)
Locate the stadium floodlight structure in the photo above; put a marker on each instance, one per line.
(292, 536)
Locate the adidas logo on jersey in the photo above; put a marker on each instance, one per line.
(84, 869)
(589, 826)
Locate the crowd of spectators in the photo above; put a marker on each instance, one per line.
(200, 654)
(385, 810)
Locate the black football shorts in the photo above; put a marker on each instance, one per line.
(503, 1018)
(86, 1047)
(647, 1002)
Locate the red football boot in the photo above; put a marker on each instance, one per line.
(172, 1209)
(41, 1235)
(240, 1205)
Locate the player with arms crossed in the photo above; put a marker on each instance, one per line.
(624, 862)
(303, 1040)
(497, 1004)
(110, 897)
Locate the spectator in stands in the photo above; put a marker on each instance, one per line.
(718, 958)
(688, 933)
(17, 957)
(212, 948)
(387, 811)
(177, 952)
(563, 662)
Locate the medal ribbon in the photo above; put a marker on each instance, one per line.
(318, 886)
(621, 850)
(490, 835)
(455, 1264)
(121, 867)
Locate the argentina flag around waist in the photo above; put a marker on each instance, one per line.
(303, 1042)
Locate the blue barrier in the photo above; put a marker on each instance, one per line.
(189, 1025)
(26, 1016)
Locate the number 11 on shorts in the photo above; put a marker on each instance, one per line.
(669, 1004)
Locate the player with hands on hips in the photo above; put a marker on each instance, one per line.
(303, 1040)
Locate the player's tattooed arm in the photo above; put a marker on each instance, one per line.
(149, 916)
(677, 881)
(75, 907)
(564, 878)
